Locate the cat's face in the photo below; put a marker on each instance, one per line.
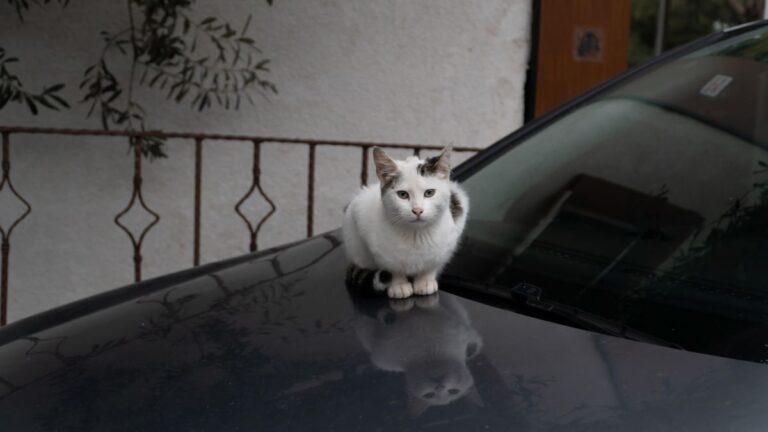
(415, 192)
(439, 381)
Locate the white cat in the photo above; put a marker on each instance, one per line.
(407, 226)
(429, 340)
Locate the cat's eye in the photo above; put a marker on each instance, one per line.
(402, 194)
(454, 391)
(429, 193)
(428, 395)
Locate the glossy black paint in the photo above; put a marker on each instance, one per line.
(273, 342)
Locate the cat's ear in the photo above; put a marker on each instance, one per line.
(417, 406)
(386, 168)
(439, 165)
(444, 163)
(473, 397)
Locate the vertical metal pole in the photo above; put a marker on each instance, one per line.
(765, 10)
(136, 190)
(311, 190)
(364, 170)
(6, 243)
(661, 25)
(255, 181)
(198, 193)
(136, 195)
(6, 251)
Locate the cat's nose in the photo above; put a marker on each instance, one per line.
(417, 211)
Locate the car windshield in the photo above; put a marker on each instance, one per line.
(646, 207)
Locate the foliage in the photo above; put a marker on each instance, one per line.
(642, 32)
(734, 240)
(723, 261)
(22, 6)
(11, 86)
(755, 49)
(687, 20)
(203, 62)
(12, 89)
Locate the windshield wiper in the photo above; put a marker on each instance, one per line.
(533, 296)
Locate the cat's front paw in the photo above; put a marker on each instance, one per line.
(425, 286)
(400, 290)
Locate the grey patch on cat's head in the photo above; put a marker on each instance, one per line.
(456, 209)
(439, 165)
(429, 167)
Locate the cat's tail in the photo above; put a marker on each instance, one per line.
(367, 281)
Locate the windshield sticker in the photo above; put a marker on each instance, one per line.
(716, 85)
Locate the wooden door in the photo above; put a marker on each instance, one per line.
(581, 43)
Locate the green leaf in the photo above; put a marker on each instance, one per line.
(31, 105)
(180, 94)
(42, 101)
(61, 101)
(203, 101)
(155, 79)
(54, 88)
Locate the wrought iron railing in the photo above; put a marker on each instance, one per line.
(137, 198)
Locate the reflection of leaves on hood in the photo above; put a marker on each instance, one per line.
(529, 390)
(212, 329)
(724, 257)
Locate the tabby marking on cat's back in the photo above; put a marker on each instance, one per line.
(456, 209)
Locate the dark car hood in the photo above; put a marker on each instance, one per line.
(276, 342)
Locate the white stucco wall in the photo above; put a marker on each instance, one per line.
(439, 72)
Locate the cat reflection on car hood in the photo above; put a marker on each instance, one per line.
(428, 339)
